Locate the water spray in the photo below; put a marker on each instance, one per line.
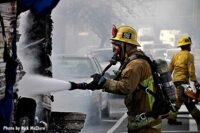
(33, 85)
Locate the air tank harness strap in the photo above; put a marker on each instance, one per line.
(140, 116)
(132, 57)
(140, 120)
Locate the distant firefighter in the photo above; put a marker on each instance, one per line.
(183, 69)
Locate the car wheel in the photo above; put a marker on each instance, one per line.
(24, 123)
(25, 114)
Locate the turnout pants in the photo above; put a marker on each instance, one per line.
(190, 105)
(148, 125)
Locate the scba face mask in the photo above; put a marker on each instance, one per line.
(118, 51)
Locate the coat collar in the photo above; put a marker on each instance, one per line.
(134, 52)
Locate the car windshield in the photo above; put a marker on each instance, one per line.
(73, 67)
(103, 56)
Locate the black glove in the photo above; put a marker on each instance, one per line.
(97, 83)
(82, 86)
(197, 85)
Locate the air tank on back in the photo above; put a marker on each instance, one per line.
(166, 79)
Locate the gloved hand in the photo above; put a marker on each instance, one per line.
(197, 85)
(82, 86)
(98, 82)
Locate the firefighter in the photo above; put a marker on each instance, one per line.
(136, 72)
(183, 69)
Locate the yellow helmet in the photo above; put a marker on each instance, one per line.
(125, 34)
(184, 41)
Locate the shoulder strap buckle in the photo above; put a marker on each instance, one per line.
(141, 117)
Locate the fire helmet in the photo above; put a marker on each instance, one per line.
(184, 41)
(125, 34)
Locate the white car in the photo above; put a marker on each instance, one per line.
(104, 56)
(79, 69)
(158, 53)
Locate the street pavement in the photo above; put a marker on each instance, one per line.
(117, 121)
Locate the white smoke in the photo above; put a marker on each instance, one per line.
(27, 58)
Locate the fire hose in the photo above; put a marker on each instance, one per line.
(90, 86)
(113, 61)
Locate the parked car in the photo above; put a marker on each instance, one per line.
(79, 69)
(104, 56)
(148, 47)
(158, 53)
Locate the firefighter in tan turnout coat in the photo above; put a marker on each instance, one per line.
(137, 71)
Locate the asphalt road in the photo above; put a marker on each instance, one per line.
(119, 126)
(118, 121)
